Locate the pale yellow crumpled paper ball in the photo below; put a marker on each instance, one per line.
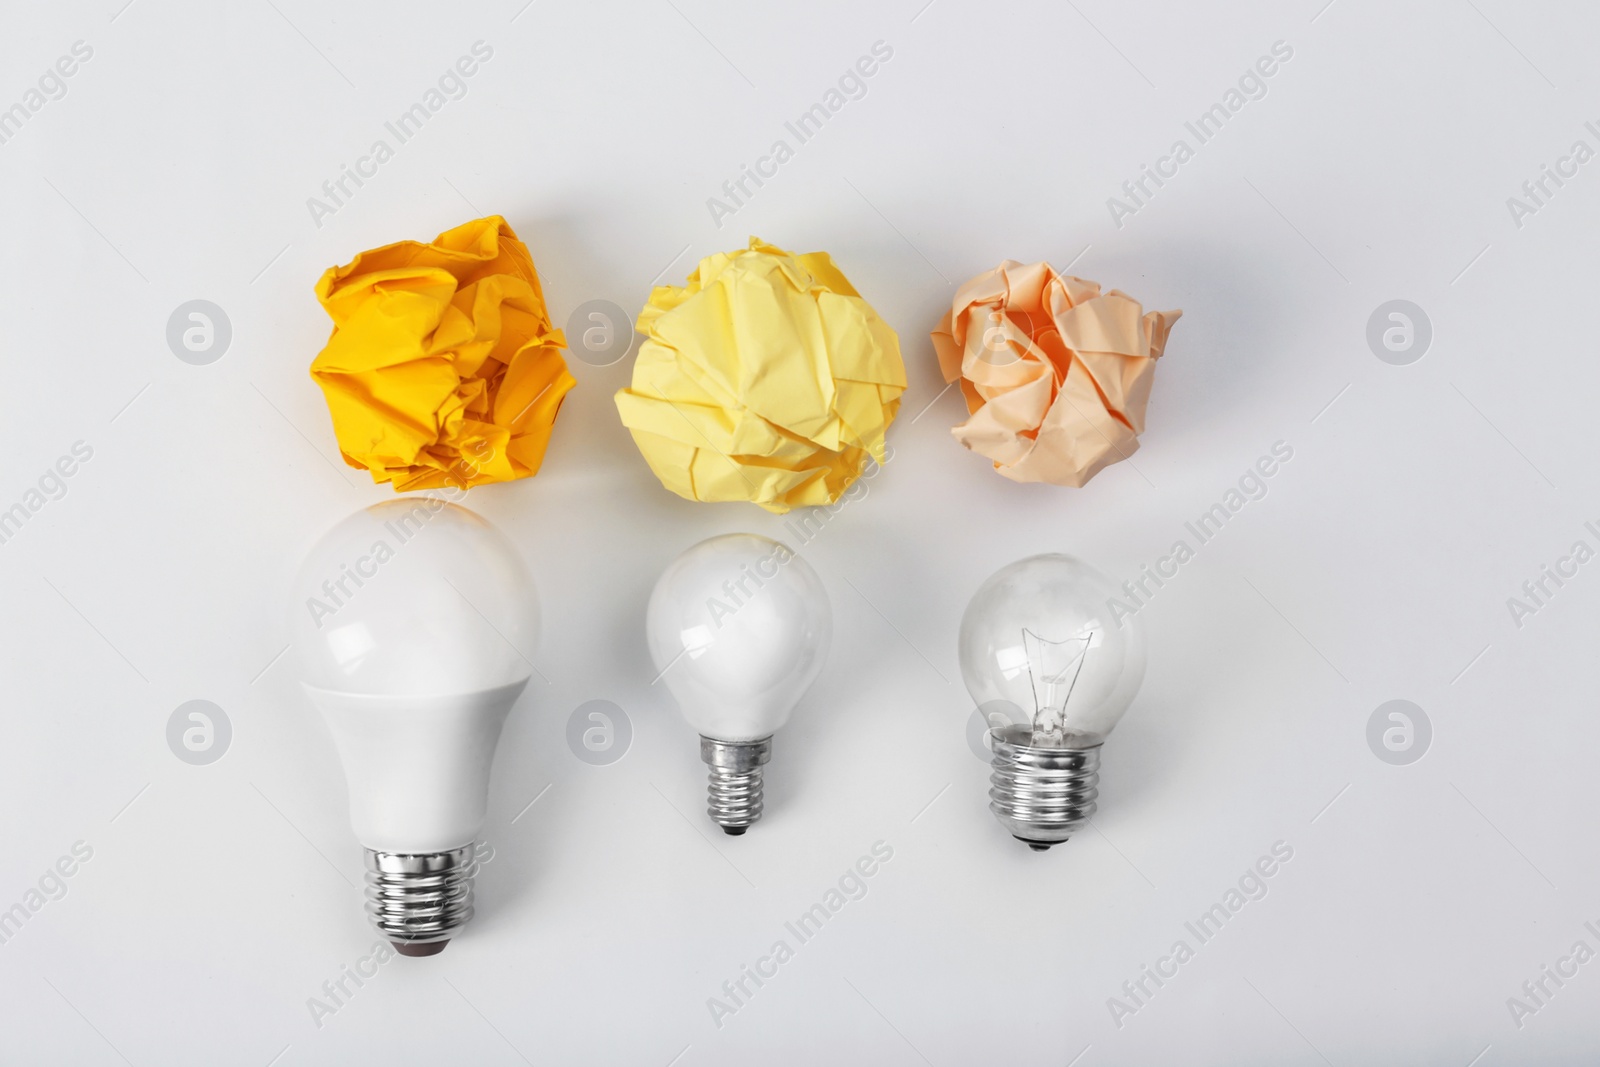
(766, 378)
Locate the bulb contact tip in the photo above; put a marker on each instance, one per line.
(415, 949)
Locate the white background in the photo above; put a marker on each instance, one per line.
(1378, 567)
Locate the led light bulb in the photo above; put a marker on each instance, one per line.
(1052, 671)
(411, 620)
(738, 627)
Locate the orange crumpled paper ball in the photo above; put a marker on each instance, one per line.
(443, 367)
(1056, 374)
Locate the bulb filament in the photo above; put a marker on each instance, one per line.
(1053, 670)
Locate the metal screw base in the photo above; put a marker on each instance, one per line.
(735, 787)
(419, 901)
(1041, 795)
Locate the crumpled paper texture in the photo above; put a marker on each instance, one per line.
(765, 378)
(443, 368)
(1056, 374)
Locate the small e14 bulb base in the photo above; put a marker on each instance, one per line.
(734, 791)
(1041, 795)
(420, 900)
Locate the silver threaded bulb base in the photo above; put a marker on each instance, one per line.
(735, 785)
(420, 900)
(1041, 795)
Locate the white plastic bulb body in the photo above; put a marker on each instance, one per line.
(738, 627)
(413, 620)
(1052, 668)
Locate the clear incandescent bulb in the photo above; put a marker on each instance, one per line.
(410, 622)
(1052, 671)
(738, 626)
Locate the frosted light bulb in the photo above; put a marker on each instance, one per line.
(410, 621)
(738, 627)
(1052, 671)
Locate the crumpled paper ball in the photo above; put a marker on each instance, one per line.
(1055, 373)
(766, 378)
(443, 367)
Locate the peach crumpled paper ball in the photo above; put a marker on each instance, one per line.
(1056, 374)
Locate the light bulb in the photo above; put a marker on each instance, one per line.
(738, 626)
(1052, 672)
(411, 619)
